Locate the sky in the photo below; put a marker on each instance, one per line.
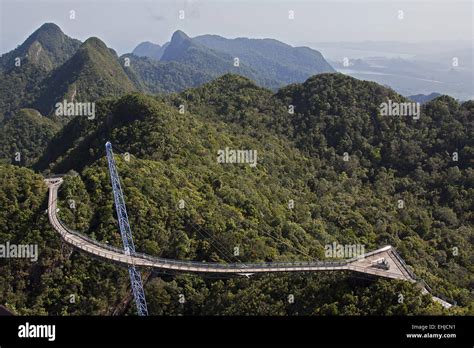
(122, 24)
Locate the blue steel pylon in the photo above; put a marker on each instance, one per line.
(129, 247)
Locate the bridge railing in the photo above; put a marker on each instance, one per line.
(408, 269)
(421, 280)
(430, 290)
(90, 240)
(203, 264)
(155, 259)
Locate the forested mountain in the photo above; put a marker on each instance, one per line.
(47, 48)
(400, 143)
(153, 76)
(23, 69)
(66, 69)
(275, 59)
(52, 67)
(354, 175)
(93, 72)
(300, 157)
(270, 63)
(24, 136)
(65, 282)
(183, 49)
(55, 67)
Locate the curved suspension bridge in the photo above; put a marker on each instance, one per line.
(384, 262)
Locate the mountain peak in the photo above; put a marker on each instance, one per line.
(93, 71)
(47, 29)
(179, 36)
(95, 42)
(48, 35)
(47, 47)
(147, 44)
(50, 27)
(178, 45)
(149, 49)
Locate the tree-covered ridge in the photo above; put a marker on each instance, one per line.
(48, 47)
(53, 67)
(275, 59)
(171, 161)
(269, 62)
(344, 113)
(24, 136)
(93, 72)
(183, 49)
(23, 69)
(173, 157)
(45, 287)
(390, 157)
(153, 77)
(67, 282)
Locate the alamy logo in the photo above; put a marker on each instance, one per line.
(37, 331)
(75, 109)
(237, 156)
(343, 251)
(22, 251)
(400, 109)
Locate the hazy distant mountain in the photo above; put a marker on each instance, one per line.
(423, 98)
(55, 67)
(275, 59)
(178, 46)
(268, 62)
(185, 50)
(149, 49)
(153, 76)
